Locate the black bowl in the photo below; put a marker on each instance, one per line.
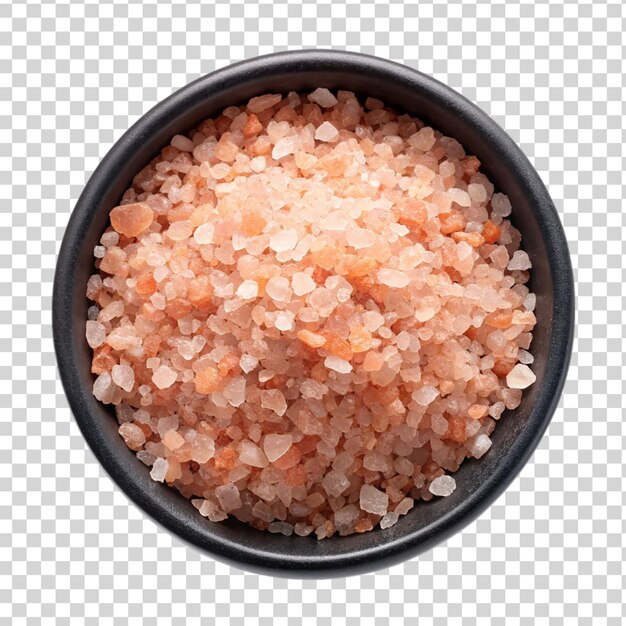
(479, 483)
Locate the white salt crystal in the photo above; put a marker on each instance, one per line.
(275, 446)
(525, 357)
(99, 252)
(123, 376)
(392, 278)
(423, 315)
(335, 483)
(338, 365)
(277, 288)
(252, 455)
(258, 164)
(146, 458)
(235, 391)
(477, 192)
(275, 400)
(283, 147)
(95, 333)
(248, 289)
(284, 321)
(389, 520)
(228, 497)
(164, 377)
(326, 132)
(102, 387)
(323, 97)
(459, 196)
(284, 240)
(500, 204)
(247, 362)
(373, 501)
(425, 395)
(282, 528)
(110, 239)
(159, 469)
(520, 377)
(496, 410)
(302, 283)
(478, 445)
(519, 261)
(203, 235)
(530, 301)
(442, 486)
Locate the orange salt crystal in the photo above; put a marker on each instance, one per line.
(373, 362)
(222, 124)
(336, 345)
(182, 454)
(252, 126)
(499, 319)
(296, 476)
(172, 440)
(451, 222)
(208, 380)
(311, 339)
(114, 262)
(174, 471)
(201, 215)
(502, 367)
(178, 308)
(360, 266)
(146, 285)
(456, 428)
(131, 219)
(360, 339)
(473, 239)
(476, 411)
(227, 363)
(491, 232)
(308, 444)
(225, 459)
(363, 525)
(102, 360)
(252, 223)
(151, 345)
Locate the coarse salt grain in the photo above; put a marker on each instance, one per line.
(303, 295)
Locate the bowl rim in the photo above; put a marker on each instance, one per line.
(379, 554)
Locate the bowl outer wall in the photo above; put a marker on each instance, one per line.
(479, 483)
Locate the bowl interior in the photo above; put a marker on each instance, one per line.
(478, 482)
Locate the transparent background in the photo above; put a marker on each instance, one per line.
(73, 549)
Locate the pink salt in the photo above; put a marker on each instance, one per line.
(308, 312)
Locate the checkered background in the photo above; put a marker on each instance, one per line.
(73, 549)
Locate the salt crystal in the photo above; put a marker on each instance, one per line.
(99, 251)
(389, 520)
(425, 395)
(228, 497)
(525, 357)
(261, 103)
(284, 240)
(326, 132)
(501, 205)
(520, 377)
(478, 446)
(278, 289)
(373, 501)
(459, 196)
(442, 486)
(275, 446)
(393, 278)
(252, 455)
(235, 391)
(182, 143)
(302, 283)
(248, 289)
(530, 301)
(335, 483)
(123, 376)
(284, 147)
(338, 365)
(102, 387)
(247, 363)
(203, 235)
(164, 377)
(323, 97)
(281, 528)
(284, 321)
(95, 333)
(275, 400)
(159, 470)
(519, 261)
(109, 239)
